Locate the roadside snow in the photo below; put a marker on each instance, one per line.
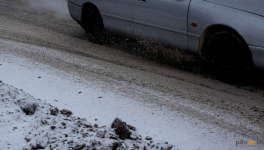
(89, 98)
(29, 123)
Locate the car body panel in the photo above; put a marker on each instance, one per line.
(257, 56)
(170, 21)
(163, 20)
(252, 6)
(193, 41)
(75, 11)
(117, 14)
(250, 26)
(76, 2)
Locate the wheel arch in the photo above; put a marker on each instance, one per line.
(92, 6)
(212, 29)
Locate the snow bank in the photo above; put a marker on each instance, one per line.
(27, 123)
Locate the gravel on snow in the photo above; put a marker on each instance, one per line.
(29, 123)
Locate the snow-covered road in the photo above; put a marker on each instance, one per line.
(95, 101)
(51, 59)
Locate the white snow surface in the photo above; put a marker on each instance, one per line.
(90, 99)
(55, 131)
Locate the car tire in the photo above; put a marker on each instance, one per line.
(229, 56)
(93, 26)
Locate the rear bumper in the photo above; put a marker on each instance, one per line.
(258, 56)
(75, 12)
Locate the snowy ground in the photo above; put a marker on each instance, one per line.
(47, 54)
(30, 123)
(92, 100)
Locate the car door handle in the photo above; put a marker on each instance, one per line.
(142, 1)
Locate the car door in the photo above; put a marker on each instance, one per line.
(163, 20)
(116, 14)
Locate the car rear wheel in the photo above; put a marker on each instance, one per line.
(229, 56)
(93, 25)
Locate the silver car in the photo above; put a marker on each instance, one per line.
(227, 33)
